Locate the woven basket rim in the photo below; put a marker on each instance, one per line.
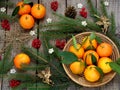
(94, 85)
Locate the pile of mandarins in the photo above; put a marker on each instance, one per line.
(28, 14)
(91, 55)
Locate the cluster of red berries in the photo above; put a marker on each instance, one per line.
(36, 43)
(83, 12)
(60, 43)
(5, 24)
(54, 5)
(14, 83)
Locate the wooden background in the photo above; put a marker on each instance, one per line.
(114, 6)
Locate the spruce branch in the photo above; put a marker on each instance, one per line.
(6, 63)
(8, 17)
(33, 67)
(33, 54)
(112, 28)
(24, 77)
(92, 9)
(8, 4)
(103, 8)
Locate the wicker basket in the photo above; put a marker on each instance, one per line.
(80, 79)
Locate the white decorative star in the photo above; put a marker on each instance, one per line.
(106, 3)
(79, 5)
(32, 33)
(84, 23)
(51, 50)
(2, 9)
(49, 20)
(12, 71)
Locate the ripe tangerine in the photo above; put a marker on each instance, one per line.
(24, 8)
(20, 59)
(26, 21)
(104, 49)
(78, 52)
(38, 11)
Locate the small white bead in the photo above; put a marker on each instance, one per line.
(84, 23)
(2, 9)
(79, 5)
(51, 50)
(49, 20)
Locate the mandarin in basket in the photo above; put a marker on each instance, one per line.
(79, 52)
(20, 59)
(91, 74)
(89, 44)
(38, 11)
(89, 55)
(26, 21)
(77, 67)
(104, 49)
(24, 8)
(103, 63)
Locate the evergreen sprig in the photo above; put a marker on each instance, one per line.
(24, 77)
(6, 63)
(103, 8)
(8, 17)
(92, 9)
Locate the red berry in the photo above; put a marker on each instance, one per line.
(60, 44)
(14, 83)
(36, 43)
(83, 9)
(5, 24)
(57, 43)
(54, 5)
(83, 13)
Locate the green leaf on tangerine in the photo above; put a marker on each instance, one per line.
(98, 39)
(74, 42)
(68, 57)
(94, 59)
(92, 36)
(15, 11)
(115, 67)
(100, 71)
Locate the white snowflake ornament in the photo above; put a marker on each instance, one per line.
(2, 9)
(106, 3)
(84, 23)
(79, 5)
(51, 50)
(12, 71)
(49, 20)
(32, 33)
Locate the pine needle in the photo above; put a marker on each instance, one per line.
(112, 28)
(6, 63)
(92, 9)
(103, 8)
(24, 77)
(33, 54)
